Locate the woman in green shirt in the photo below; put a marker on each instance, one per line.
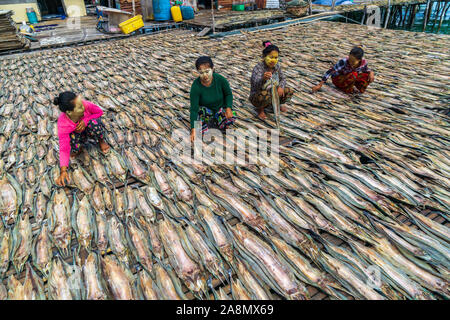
(211, 98)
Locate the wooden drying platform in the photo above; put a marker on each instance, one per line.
(360, 5)
(230, 20)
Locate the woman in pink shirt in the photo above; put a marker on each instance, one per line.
(79, 121)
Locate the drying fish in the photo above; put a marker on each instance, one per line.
(121, 282)
(101, 234)
(22, 238)
(83, 221)
(117, 240)
(117, 165)
(144, 207)
(42, 251)
(160, 181)
(59, 286)
(120, 203)
(58, 213)
(239, 208)
(180, 186)
(148, 288)
(3, 292)
(168, 283)
(216, 232)
(82, 180)
(139, 245)
(97, 200)
(5, 236)
(267, 264)
(154, 237)
(10, 198)
(93, 280)
(204, 251)
(184, 266)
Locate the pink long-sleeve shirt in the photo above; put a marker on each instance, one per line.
(67, 126)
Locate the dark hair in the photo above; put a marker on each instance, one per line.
(269, 47)
(204, 60)
(65, 101)
(357, 52)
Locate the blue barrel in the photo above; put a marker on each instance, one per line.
(31, 15)
(187, 12)
(161, 10)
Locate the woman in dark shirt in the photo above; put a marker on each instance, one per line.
(211, 98)
(269, 68)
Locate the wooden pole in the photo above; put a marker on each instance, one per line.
(134, 9)
(212, 15)
(425, 20)
(364, 15)
(332, 5)
(443, 14)
(413, 18)
(387, 15)
(436, 15)
(310, 7)
(400, 13)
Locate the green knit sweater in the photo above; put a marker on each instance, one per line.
(217, 95)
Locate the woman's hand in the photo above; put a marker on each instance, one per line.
(228, 113)
(267, 75)
(371, 77)
(317, 88)
(60, 181)
(80, 127)
(192, 135)
(280, 92)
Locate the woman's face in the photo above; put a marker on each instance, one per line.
(78, 110)
(206, 73)
(271, 59)
(354, 62)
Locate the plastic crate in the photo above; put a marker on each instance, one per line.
(132, 24)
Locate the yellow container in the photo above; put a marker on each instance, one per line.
(176, 14)
(132, 24)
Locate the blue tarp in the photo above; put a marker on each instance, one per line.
(330, 2)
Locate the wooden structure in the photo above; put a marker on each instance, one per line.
(133, 6)
(10, 38)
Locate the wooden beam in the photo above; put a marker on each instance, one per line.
(425, 20)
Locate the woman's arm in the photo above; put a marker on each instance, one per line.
(94, 110)
(228, 94)
(64, 149)
(333, 70)
(195, 98)
(257, 79)
(282, 78)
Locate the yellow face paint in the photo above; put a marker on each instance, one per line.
(271, 59)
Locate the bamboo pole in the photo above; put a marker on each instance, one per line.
(364, 15)
(310, 7)
(332, 5)
(212, 15)
(388, 13)
(413, 18)
(443, 14)
(134, 9)
(436, 15)
(425, 20)
(400, 15)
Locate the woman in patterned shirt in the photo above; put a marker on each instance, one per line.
(268, 68)
(351, 75)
